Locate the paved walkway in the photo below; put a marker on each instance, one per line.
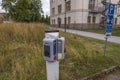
(114, 39)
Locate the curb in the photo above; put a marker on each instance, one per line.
(102, 73)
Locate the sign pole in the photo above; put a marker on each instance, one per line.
(105, 47)
(109, 24)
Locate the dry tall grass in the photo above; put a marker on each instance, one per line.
(21, 54)
(21, 51)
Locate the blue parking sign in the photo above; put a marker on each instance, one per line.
(110, 18)
(111, 8)
(109, 29)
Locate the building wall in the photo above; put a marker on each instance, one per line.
(116, 12)
(79, 14)
(2, 17)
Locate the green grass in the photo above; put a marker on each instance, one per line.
(21, 55)
(115, 32)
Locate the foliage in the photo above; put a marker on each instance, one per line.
(23, 10)
(46, 19)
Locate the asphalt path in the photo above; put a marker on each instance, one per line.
(114, 39)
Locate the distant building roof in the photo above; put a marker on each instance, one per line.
(3, 13)
(2, 16)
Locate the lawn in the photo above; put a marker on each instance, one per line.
(115, 32)
(21, 55)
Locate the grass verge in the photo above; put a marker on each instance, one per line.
(115, 32)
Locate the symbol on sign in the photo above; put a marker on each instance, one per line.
(108, 21)
(111, 8)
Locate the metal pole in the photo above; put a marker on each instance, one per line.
(65, 16)
(105, 47)
(82, 13)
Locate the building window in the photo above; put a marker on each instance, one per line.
(94, 19)
(53, 11)
(59, 22)
(116, 9)
(89, 19)
(91, 4)
(68, 5)
(115, 21)
(53, 1)
(65, 19)
(59, 9)
(69, 21)
(54, 21)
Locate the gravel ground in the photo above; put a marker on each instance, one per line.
(112, 76)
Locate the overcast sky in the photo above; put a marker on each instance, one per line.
(46, 7)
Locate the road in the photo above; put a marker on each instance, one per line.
(114, 39)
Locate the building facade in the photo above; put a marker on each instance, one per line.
(80, 14)
(2, 17)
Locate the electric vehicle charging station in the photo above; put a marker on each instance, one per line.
(53, 52)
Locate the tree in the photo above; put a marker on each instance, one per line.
(47, 19)
(42, 18)
(23, 10)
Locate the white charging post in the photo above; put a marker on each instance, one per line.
(53, 52)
